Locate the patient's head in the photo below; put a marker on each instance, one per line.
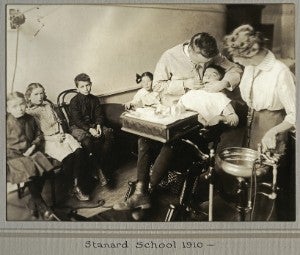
(213, 73)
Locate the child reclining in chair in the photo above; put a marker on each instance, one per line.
(212, 107)
(25, 163)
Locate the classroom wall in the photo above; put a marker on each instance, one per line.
(110, 43)
(283, 18)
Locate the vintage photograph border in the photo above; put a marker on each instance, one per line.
(132, 229)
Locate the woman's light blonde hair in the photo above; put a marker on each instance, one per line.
(244, 41)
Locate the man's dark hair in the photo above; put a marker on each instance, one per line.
(205, 43)
(82, 77)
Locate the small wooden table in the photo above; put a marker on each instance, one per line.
(162, 129)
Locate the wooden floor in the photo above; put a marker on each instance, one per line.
(112, 196)
(223, 211)
(17, 208)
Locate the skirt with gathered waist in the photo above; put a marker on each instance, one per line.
(262, 122)
(60, 149)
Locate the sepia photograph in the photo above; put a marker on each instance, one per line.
(149, 127)
(167, 112)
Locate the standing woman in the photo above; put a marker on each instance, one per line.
(268, 88)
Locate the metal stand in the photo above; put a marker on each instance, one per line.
(188, 189)
(199, 167)
(243, 206)
(210, 177)
(246, 204)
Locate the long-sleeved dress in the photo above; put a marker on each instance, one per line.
(47, 121)
(145, 98)
(269, 89)
(22, 133)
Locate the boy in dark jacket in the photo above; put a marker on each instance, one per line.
(87, 126)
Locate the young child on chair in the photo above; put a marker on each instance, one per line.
(58, 145)
(87, 126)
(25, 162)
(144, 96)
(212, 107)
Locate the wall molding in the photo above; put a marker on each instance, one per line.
(119, 91)
(215, 8)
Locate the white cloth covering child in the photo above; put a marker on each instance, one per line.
(212, 107)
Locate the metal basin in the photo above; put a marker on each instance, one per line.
(239, 162)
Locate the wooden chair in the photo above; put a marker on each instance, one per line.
(112, 113)
(62, 107)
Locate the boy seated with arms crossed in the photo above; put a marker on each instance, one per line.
(87, 126)
(212, 107)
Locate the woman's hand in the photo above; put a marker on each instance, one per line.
(29, 151)
(268, 142)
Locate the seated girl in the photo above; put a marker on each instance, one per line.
(212, 107)
(25, 163)
(58, 145)
(144, 96)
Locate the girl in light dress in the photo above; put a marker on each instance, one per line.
(58, 145)
(144, 96)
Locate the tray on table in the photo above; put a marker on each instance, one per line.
(145, 123)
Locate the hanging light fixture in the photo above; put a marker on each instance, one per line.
(16, 18)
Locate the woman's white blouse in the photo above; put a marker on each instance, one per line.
(270, 86)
